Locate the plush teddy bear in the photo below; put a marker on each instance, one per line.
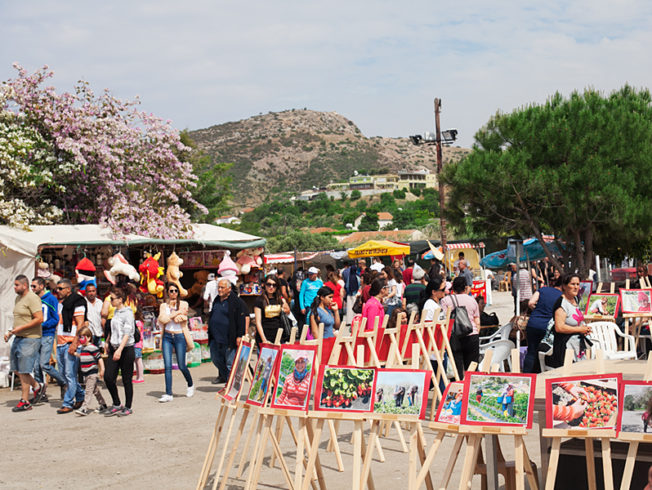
(245, 261)
(119, 266)
(85, 274)
(150, 271)
(201, 278)
(173, 273)
(43, 270)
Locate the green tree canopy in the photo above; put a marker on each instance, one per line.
(578, 168)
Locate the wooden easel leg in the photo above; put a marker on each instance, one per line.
(448, 472)
(426, 461)
(470, 458)
(607, 473)
(529, 473)
(357, 454)
(245, 450)
(544, 445)
(367, 455)
(279, 430)
(519, 463)
(265, 428)
(281, 460)
(400, 436)
(335, 445)
(552, 464)
(315, 436)
(298, 467)
(229, 463)
(590, 463)
(226, 447)
(336, 427)
(379, 448)
(412, 459)
(212, 446)
(629, 465)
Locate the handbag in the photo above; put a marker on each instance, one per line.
(286, 325)
(357, 304)
(190, 343)
(462, 324)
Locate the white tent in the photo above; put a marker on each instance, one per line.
(19, 248)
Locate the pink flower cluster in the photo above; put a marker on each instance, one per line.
(119, 166)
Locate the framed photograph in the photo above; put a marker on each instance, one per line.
(263, 374)
(498, 399)
(402, 391)
(587, 402)
(605, 304)
(345, 389)
(586, 287)
(449, 410)
(636, 300)
(294, 374)
(635, 407)
(240, 363)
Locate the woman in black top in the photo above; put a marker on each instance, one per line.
(267, 310)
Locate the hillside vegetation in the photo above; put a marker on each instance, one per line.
(293, 150)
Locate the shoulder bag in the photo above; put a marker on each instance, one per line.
(462, 324)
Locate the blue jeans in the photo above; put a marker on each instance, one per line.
(69, 365)
(178, 343)
(222, 356)
(534, 338)
(43, 362)
(24, 353)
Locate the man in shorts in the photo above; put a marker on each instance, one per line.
(25, 349)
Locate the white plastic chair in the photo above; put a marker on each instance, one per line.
(502, 349)
(604, 333)
(501, 334)
(542, 359)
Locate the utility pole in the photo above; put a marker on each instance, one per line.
(440, 164)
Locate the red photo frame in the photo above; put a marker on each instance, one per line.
(482, 392)
(357, 387)
(631, 421)
(414, 401)
(636, 300)
(297, 396)
(268, 358)
(595, 297)
(449, 410)
(234, 386)
(583, 401)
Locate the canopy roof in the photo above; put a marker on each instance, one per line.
(28, 242)
(374, 248)
(532, 250)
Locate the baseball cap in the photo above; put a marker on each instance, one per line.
(313, 270)
(418, 272)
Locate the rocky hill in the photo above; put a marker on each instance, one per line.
(296, 149)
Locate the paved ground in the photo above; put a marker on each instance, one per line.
(163, 445)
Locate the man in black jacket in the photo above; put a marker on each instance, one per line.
(226, 326)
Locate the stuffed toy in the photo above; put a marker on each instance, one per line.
(245, 261)
(43, 270)
(257, 254)
(201, 278)
(228, 269)
(150, 272)
(118, 265)
(85, 274)
(173, 274)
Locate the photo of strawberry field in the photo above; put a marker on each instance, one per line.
(400, 392)
(345, 388)
(496, 399)
(589, 403)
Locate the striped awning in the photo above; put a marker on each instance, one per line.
(288, 258)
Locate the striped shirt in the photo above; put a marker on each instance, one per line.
(294, 393)
(88, 359)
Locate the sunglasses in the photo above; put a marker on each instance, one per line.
(173, 290)
(33, 286)
(61, 288)
(271, 284)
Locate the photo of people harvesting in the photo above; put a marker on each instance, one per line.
(503, 400)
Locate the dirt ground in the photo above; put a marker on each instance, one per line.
(163, 445)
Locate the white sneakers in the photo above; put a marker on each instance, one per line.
(190, 391)
(165, 399)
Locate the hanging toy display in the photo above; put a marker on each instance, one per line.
(150, 271)
(119, 266)
(228, 269)
(173, 274)
(85, 274)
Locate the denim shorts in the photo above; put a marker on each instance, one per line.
(24, 353)
(138, 351)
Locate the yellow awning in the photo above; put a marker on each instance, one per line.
(378, 248)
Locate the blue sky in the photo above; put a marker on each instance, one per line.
(378, 63)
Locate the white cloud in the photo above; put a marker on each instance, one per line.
(378, 63)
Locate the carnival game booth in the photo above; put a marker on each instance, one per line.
(92, 253)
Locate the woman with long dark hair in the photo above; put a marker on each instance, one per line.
(121, 354)
(569, 321)
(173, 318)
(373, 309)
(267, 311)
(324, 310)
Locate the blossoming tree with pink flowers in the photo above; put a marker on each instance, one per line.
(86, 158)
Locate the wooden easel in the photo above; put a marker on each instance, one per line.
(587, 434)
(634, 439)
(226, 407)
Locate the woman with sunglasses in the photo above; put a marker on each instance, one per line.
(173, 318)
(267, 310)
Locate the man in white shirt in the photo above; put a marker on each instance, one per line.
(377, 265)
(94, 314)
(210, 292)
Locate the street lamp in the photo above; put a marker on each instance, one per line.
(449, 136)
